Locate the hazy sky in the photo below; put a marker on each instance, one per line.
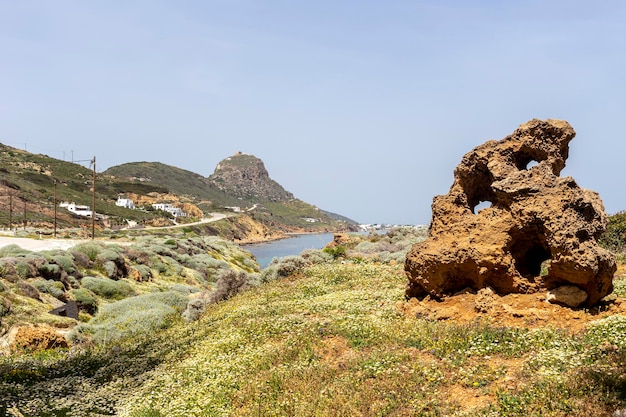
(363, 108)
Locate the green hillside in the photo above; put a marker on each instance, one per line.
(175, 180)
(31, 183)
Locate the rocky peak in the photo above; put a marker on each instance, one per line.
(244, 175)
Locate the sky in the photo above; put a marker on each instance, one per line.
(362, 108)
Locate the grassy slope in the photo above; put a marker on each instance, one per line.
(331, 341)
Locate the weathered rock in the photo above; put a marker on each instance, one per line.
(568, 295)
(485, 300)
(535, 216)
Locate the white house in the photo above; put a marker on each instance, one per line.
(174, 211)
(125, 202)
(77, 209)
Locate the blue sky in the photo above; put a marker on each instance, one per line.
(362, 108)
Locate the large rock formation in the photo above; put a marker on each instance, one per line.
(244, 175)
(535, 216)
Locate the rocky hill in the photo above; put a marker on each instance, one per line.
(244, 175)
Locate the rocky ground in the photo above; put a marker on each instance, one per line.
(515, 310)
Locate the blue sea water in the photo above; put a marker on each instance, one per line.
(265, 252)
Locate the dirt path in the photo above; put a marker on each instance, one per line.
(64, 244)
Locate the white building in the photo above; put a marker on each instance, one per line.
(77, 209)
(174, 211)
(125, 202)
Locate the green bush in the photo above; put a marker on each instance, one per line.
(336, 252)
(142, 272)
(5, 306)
(12, 250)
(24, 270)
(50, 271)
(282, 267)
(28, 290)
(110, 269)
(91, 250)
(52, 287)
(131, 317)
(85, 299)
(65, 261)
(184, 289)
(107, 288)
(614, 237)
(316, 256)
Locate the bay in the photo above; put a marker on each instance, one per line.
(265, 252)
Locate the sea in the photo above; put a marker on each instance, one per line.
(265, 252)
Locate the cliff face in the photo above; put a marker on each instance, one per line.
(245, 176)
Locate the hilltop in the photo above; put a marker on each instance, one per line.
(31, 185)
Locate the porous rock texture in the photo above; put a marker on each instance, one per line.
(535, 216)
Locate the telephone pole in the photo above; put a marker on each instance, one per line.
(55, 209)
(10, 210)
(93, 201)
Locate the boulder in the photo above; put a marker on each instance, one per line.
(568, 295)
(510, 222)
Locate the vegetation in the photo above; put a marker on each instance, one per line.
(313, 336)
(330, 341)
(614, 238)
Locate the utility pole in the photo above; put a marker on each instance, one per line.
(93, 201)
(55, 209)
(24, 214)
(10, 210)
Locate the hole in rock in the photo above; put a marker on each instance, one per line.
(481, 205)
(529, 251)
(531, 163)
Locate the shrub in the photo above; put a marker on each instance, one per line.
(141, 273)
(12, 250)
(131, 317)
(110, 269)
(85, 299)
(29, 291)
(229, 284)
(184, 289)
(282, 267)
(24, 270)
(614, 237)
(336, 252)
(65, 261)
(50, 271)
(52, 287)
(5, 306)
(108, 288)
(316, 256)
(8, 271)
(91, 250)
(108, 255)
(82, 260)
(195, 308)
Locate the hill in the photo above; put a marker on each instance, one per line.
(33, 185)
(240, 184)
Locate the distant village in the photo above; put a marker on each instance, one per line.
(86, 211)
